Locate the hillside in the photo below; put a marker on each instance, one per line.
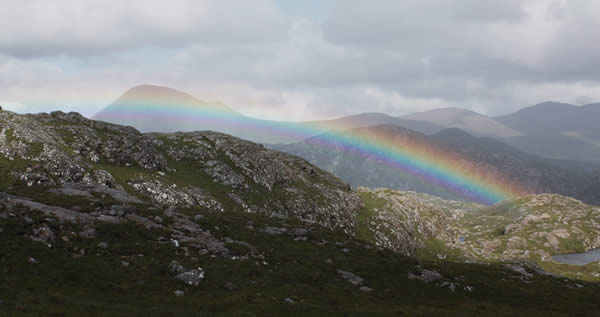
(98, 219)
(532, 228)
(537, 174)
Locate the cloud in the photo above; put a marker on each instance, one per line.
(95, 27)
(358, 56)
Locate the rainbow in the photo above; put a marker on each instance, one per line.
(434, 164)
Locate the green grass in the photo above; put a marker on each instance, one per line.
(10, 135)
(571, 246)
(432, 249)
(366, 215)
(96, 284)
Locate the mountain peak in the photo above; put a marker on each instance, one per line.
(464, 119)
(153, 108)
(155, 93)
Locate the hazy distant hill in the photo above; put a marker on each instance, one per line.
(539, 174)
(552, 118)
(373, 118)
(466, 120)
(151, 108)
(556, 146)
(551, 130)
(557, 130)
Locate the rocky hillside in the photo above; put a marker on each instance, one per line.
(205, 169)
(99, 219)
(531, 228)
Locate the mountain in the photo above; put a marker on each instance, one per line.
(466, 120)
(475, 153)
(550, 130)
(100, 219)
(372, 119)
(557, 130)
(556, 146)
(152, 108)
(551, 118)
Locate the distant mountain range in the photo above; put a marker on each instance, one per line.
(551, 130)
(549, 147)
(466, 120)
(151, 108)
(557, 130)
(540, 175)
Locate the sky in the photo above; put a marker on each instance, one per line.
(302, 60)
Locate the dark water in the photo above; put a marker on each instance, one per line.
(578, 258)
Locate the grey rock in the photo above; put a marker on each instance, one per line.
(108, 219)
(44, 233)
(519, 269)
(425, 276)
(178, 293)
(366, 289)
(103, 245)
(289, 300)
(170, 210)
(203, 252)
(351, 277)
(32, 260)
(191, 277)
(88, 233)
(228, 286)
(300, 232)
(175, 267)
(274, 230)
(117, 208)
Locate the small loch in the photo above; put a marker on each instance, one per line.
(578, 258)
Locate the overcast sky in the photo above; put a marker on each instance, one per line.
(295, 60)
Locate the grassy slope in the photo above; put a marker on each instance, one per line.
(98, 285)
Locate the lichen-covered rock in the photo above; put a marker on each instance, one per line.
(175, 195)
(404, 221)
(533, 227)
(205, 170)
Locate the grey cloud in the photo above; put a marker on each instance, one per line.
(391, 56)
(35, 28)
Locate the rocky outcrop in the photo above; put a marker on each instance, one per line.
(534, 227)
(405, 221)
(214, 171)
(531, 228)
